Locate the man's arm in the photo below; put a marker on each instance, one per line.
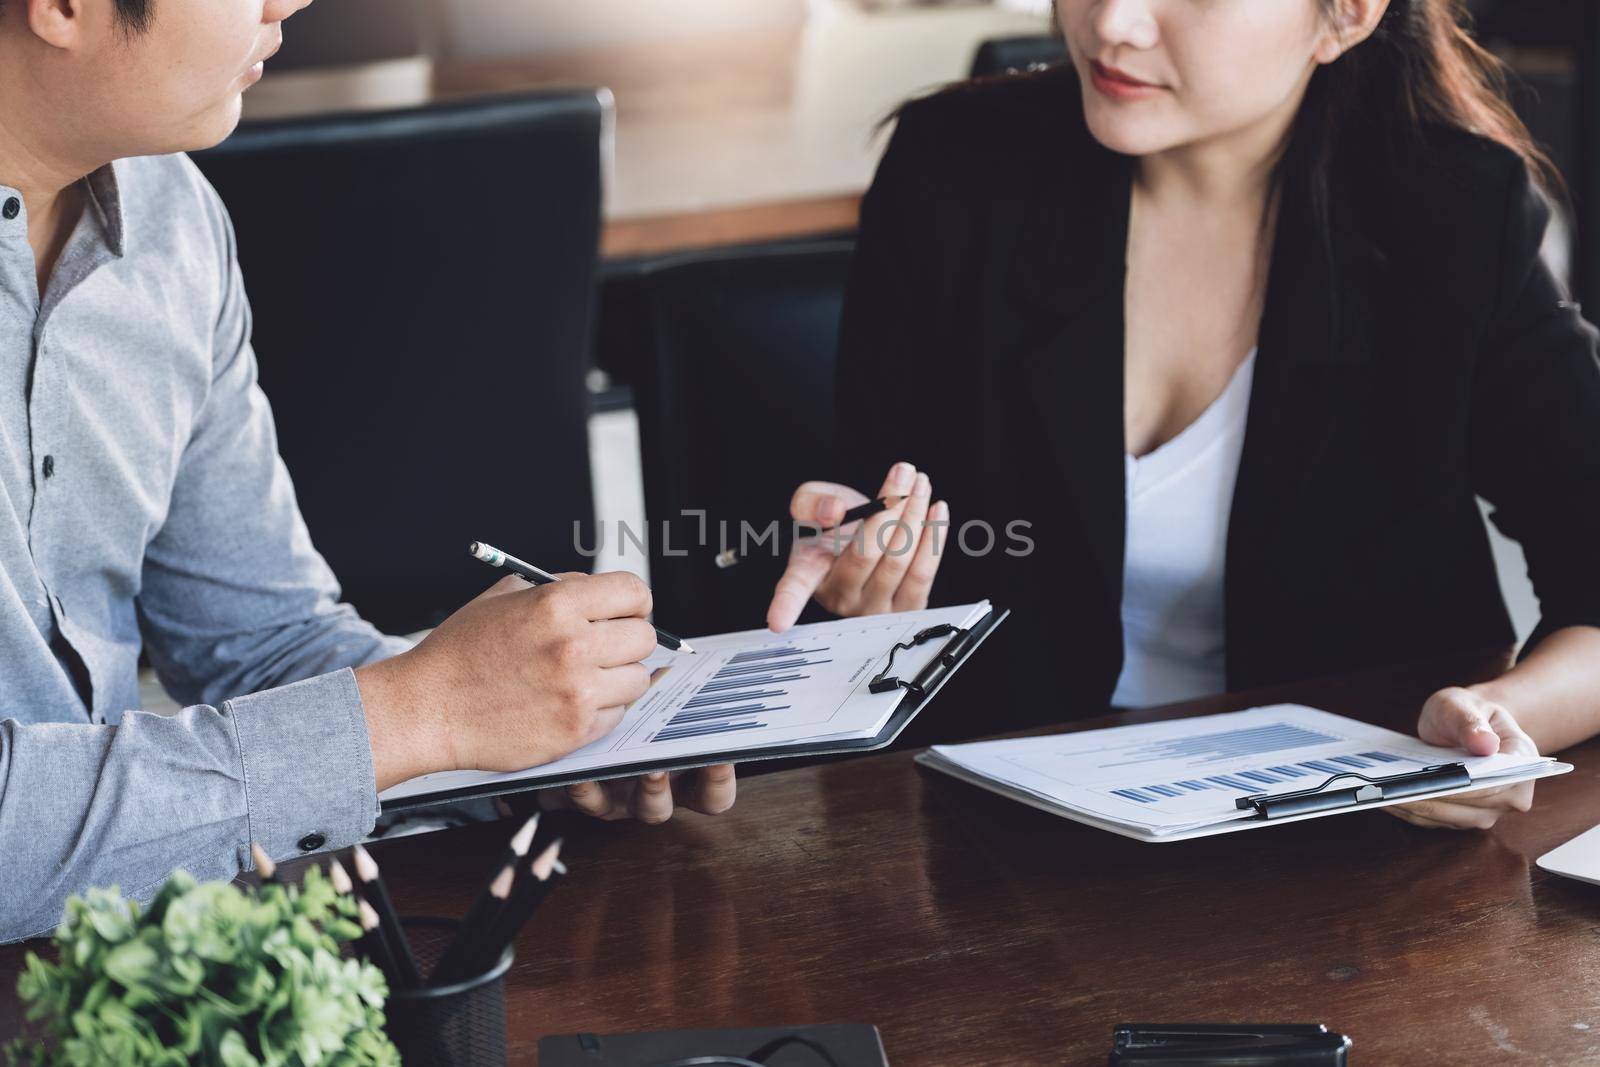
(234, 605)
(129, 804)
(234, 599)
(519, 676)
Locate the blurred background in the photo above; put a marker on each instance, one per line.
(611, 242)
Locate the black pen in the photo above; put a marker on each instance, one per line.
(528, 572)
(729, 557)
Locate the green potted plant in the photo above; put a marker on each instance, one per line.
(207, 974)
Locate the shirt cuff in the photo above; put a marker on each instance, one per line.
(307, 760)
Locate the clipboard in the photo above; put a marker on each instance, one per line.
(1253, 822)
(1186, 777)
(920, 689)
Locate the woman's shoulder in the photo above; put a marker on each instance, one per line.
(1010, 129)
(1470, 162)
(1447, 200)
(1445, 175)
(1452, 210)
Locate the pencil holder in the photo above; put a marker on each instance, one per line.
(455, 1025)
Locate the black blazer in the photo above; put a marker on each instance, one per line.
(1426, 358)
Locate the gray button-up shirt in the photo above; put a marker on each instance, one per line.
(143, 505)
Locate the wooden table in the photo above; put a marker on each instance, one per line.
(721, 139)
(970, 929)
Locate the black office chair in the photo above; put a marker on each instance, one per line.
(1004, 55)
(422, 283)
(730, 358)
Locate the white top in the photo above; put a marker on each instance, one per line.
(1179, 499)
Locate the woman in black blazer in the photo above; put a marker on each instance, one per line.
(1059, 269)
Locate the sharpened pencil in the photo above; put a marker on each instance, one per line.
(372, 944)
(474, 925)
(526, 896)
(264, 865)
(340, 878)
(487, 905)
(375, 893)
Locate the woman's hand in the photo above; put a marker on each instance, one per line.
(649, 798)
(1461, 718)
(865, 568)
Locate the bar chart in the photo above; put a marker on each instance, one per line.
(1261, 779)
(745, 693)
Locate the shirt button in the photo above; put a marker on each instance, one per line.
(12, 209)
(49, 466)
(312, 842)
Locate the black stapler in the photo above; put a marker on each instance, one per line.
(1237, 1045)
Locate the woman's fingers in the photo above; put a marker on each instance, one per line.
(820, 504)
(865, 547)
(859, 568)
(901, 540)
(918, 584)
(1442, 813)
(823, 503)
(1515, 797)
(808, 566)
(648, 798)
(1459, 718)
(591, 798)
(709, 790)
(1479, 810)
(652, 798)
(1512, 737)
(1406, 814)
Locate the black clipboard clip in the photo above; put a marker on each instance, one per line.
(1321, 798)
(929, 677)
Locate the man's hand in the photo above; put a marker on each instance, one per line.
(650, 798)
(881, 568)
(518, 677)
(1461, 718)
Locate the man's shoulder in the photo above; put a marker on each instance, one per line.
(165, 199)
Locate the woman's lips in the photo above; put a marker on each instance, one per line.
(1119, 85)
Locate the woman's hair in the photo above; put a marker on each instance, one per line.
(1421, 68)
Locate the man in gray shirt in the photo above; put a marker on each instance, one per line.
(143, 505)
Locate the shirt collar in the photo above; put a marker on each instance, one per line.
(106, 197)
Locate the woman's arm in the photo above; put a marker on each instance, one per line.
(1536, 459)
(888, 562)
(1555, 691)
(1535, 455)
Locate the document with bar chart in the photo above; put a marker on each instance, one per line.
(750, 692)
(1168, 781)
